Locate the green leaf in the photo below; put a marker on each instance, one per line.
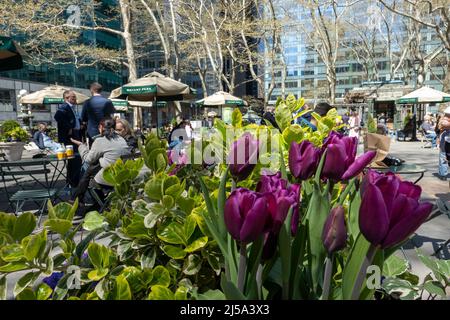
(402, 287)
(13, 267)
(431, 264)
(186, 204)
(153, 188)
(353, 266)
(189, 227)
(36, 245)
(161, 293)
(161, 277)
(230, 290)
(293, 133)
(3, 287)
(60, 226)
(394, 266)
(93, 220)
(122, 289)
(98, 274)
(181, 293)
(26, 294)
(211, 295)
(168, 201)
(25, 281)
(148, 259)
(23, 226)
(196, 245)
(434, 287)
(174, 252)
(99, 255)
(43, 292)
(12, 253)
(192, 265)
(173, 234)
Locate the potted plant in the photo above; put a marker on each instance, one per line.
(12, 140)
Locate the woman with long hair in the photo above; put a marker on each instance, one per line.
(105, 150)
(123, 128)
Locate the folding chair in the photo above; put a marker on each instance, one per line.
(11, 171)
(427, 143)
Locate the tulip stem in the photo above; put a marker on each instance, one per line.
(327, 277)
(233, 185)
(242, 266)
(259, 280)
(346, 191)
(363, 272)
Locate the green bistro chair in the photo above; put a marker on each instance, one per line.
(38, 192)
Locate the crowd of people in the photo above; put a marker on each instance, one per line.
(97, 138)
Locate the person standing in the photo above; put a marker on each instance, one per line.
(444, 140)
(69, 126)
(94, 110)
(429, 130)
(354, 123)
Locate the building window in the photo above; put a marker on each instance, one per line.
(307, 72)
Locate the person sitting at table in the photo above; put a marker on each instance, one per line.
(105, 150)
(43, 141)
(123, 128)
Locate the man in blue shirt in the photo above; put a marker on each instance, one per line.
(94, 110)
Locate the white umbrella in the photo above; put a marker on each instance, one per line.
(222, 98)
(50, 95)
(122, 105)
(424, 95)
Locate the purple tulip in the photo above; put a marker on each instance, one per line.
(390, 210)
(245, 214)
(304, 158)
(280, 199)
(243, 157)
(334, 234)
(179, 159)
(341, 163)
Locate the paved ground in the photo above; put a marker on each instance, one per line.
(430, 235)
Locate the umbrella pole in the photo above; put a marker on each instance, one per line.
(156, 108)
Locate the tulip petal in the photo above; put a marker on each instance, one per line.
(373, 215)
(388, 186)
(232, 215)
(334, 235)
(294, 159)
(283, 206)
(334, 167)
(254, 222)
(408, 225)
(358, 165)
(410, 190)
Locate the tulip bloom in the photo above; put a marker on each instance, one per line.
(243, 157)
(390, 210)
(280, 199)
(179, 159)
(245, 214)
(334, 234)
(304, 158)
(340, 163)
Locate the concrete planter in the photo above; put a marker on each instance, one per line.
(12, 150)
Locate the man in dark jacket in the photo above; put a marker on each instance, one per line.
(94, 110)
(69, 126)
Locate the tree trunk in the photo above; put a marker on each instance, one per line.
(331, 77)
(131, 58)
(447, 79)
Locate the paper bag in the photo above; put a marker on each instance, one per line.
(379, 143)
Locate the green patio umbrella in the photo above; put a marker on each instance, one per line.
(424, 95)
(153, 87)
(122, 105)
(10, 54)
(222, 98)
(50, 95)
